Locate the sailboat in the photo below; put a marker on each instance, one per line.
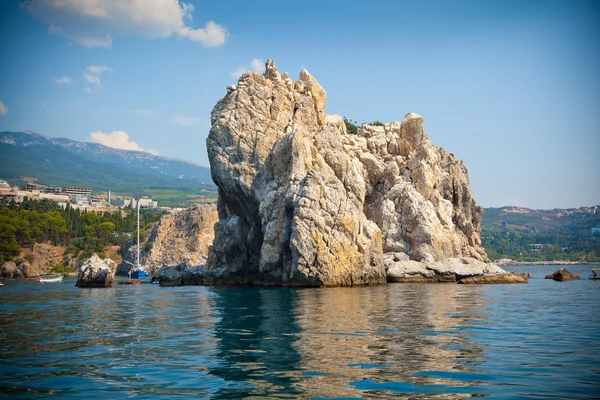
(138, 271)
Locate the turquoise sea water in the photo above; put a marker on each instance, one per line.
(538, 340)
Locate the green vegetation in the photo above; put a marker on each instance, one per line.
(182, 198)
(540, 235)
(351, 126)
(83, 233)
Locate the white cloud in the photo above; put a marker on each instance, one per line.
(256, 65)
(92, 23)
(93, 79)
(185, 121)
(3, 108)
(144, 112)
(87, 90)
(118, 140)
(211, 35)
(98, 69)
(63, 81)
(93, 74)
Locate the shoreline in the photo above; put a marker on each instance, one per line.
(540, 263)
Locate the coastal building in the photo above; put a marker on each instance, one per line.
(96, 201)
(32, 187)
(4, 186)
(12, 195)
(145, 202)
(77, 191)
(54, 189)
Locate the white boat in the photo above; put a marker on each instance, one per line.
(50, 279)
(1, 284)
(595, 273)
(138, 272)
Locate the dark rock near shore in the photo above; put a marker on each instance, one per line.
(181, 274)
(96, 273)
(562, 275)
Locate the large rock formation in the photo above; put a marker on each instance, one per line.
(301, 202)
(183, 236)
(96, 272)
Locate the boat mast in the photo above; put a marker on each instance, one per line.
(137, 258)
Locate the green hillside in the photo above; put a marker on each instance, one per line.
(52, 165)
(541, 235)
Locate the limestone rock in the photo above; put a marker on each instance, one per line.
(95, 272)
(301, 202)
(183, 236)
(181, 274)
(9, 270)
(448, 270)
(562, 275)
(510, 277)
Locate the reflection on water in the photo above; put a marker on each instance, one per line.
(394, 341)
(385, 334)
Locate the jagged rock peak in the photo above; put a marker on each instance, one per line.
(301, 202)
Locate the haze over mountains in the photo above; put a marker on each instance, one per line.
(61, 162)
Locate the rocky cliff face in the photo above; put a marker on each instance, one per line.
(182, 237)
(301, 202)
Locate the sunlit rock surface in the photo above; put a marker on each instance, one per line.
(96, 272)
(301, 202)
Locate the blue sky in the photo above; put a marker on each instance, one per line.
(510, 87)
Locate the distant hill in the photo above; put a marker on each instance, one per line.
(62, 162)
(542, 235)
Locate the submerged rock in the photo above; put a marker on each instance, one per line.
(562, 275)
(96, 272)
(302, 202)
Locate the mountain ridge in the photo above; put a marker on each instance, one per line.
(62, 161)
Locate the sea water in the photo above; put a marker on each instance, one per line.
(535, 340)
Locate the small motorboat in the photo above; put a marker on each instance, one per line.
(1, 285)
(595, 273)
(50, 278)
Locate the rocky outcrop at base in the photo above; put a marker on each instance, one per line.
(96, 272)
(563, 275)
(10, 270)
(510, 277)
(181, 274)
(449, 270)
(302, 202)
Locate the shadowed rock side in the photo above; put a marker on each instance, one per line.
(301, 202)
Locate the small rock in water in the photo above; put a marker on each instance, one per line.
(562, 275)
(96, 272)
